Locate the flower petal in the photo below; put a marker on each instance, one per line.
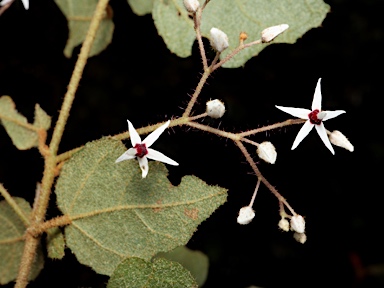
(297, 112)
(4, 2)
(26, 4)
(307, 127)
(143, 162)
(323, 135)
(158, 156)
(135, 137)
(316, 103)
(332, 114)
(151, 138)
(127, 155)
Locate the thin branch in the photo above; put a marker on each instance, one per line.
(76, 75)
(271, 127)
(234, 52)
(55, 222)
(218, 132)
(39, 211)
(197, 22)
(197, 92)
(263, 179)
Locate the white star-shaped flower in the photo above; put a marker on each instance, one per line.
(315, 118)
(25, 3)
(141, 150)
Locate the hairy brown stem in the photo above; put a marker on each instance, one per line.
(40, 207)
(263, 179)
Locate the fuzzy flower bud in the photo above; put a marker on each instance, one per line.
(298, 224)
(219, 40)
(215, 108)
(270, 33)
(284, 224)
(246, 214)
(300, 237)
(267, 152)
(337, 138)
(191, 5)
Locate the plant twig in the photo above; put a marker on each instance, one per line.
(263, 179)
(39, 210)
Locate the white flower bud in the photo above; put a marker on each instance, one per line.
(270, 33)
(219, 40)
(215, 108)
(191, 5)
(337, 138)
(300, 237)
(246, 214)
(267, 152)
(298, 224)
(284, 224)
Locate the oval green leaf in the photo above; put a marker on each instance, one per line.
(55, 243)
(12, 232)
(141, 7)
(234, 17)
(24, 135)
(136, 272)
(194, 261)
(116, 214)
(79, 15)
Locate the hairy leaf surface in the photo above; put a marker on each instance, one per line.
(117, 214)
(12, 231)
(23, 134)
(55, 243)
(136, 272)
(233, 17)
(194, 261)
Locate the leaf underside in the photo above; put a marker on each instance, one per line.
(79, 15)
(194, 261)
(12, 241)
(117, 214)
(138, 273)
(233, 17)
(23, 134)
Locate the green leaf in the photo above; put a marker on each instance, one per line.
(141, 7)
(136, 272)
(117, 214)
(195, 262)
(55, 243)
(79, 14)
(175, 26)
(24, 135)
(42, 119)
(12, 232)
(234, 17)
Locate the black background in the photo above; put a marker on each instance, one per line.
(137, 78)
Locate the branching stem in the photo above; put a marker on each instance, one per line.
(40, 207)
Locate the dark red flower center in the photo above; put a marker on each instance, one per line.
(141, 150)
(313, 117)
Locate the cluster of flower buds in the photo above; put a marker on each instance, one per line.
(297, 224)
(215, 108)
